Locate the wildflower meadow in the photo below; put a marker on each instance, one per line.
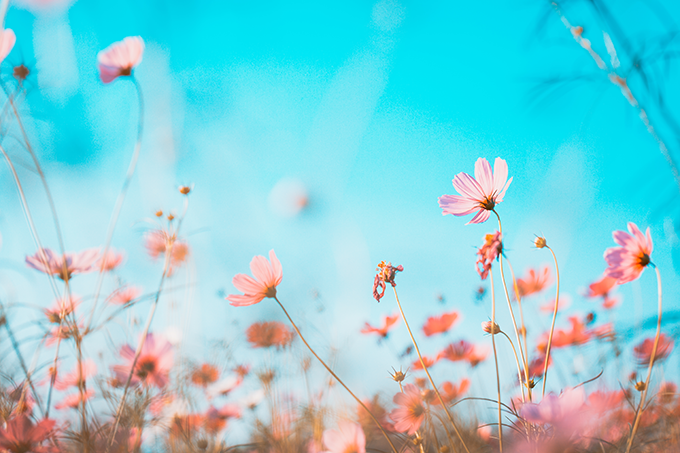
(287, 227)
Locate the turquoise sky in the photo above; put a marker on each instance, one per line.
(373, 107)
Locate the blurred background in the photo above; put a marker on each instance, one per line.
(326, 131)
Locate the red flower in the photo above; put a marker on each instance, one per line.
(205, 375)
(643, 351)
(534, 282)
(22, 436)
(387, 324)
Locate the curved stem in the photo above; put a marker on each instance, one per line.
(519, 373)
(552, 326)
(119, 201)
(336, 376)
(523, 326)
(422, 363)
(495, 357)
(638, 412)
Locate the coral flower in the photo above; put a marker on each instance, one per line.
(578, 334)
(411, 411)
(643, 351)
(348, 438)
(20, 435)
(120, 58)
(112, 260)
(440, 324)
(64, 266)
(564, 412)
(125, 295)
(267, 334)
(7, 41)
(76, 377)
(74, 400)
(479, 194)
(451, 392)
(378, 412)
(602, 287)
(216, 419)
(456, 352)
(267, 278)
(158, 242)
(387, 324)
(478, 354)
(153, 365)
(429, 362)
(205, 375)
(61, 308)
(627, 262)
(386, 274)
(534, 282)
(488, 252)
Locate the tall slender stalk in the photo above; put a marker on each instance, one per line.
(552, 326)
(375, 420)
(640, 408)
(495, 357)
(523, 326)
(422, 363)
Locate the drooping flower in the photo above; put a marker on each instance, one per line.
(7, 41)
(534, 282)
(643, 351)
(120, 58)
(61, 308)
(112, 260)
(76, 377)
(125, 295)
(386, 274)
(411, 412)
(440, 324)
(153, 365)
(488, 252)
(205, 375)
(267, 278)
(20, 435)
(479, 194)
(348, 438)
(63, 266)
(627, 262)
(451, 392)
(267, 334)
(388, 322)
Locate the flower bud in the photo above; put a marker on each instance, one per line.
(540, 242)
(184, 190)
(491, 327)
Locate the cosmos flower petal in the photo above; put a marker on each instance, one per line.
(500, 175)
(262, 270)
(276, 267)
(481, 217)
(244, 300)
(484, 176)
(247, 284)
(456, 205)
(468, 187)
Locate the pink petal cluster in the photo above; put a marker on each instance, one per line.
(21, 435)
(65, 266)
(153, 365)
(267, 278)
(349, 437)
(125, 295)
(61, 308)
(112, 260)
(386, 274)
(158, 242)
(564, 412)
(488, 252)
(479, 194)
(411, 412)
(627, 262)
(120, 58)
(440, 324)
(534, 282)
(76, 377)
(7, 41)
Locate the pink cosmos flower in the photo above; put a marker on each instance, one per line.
(120, 58)
(488, 252)
(125, 295)
(451, 392)
(643, 351)
(76, 263)
(74, 400)
(479, 194)
(21, 435)
(61, 308)
(267, 278)
(565, 413)
(440, 324)
(76, 377)
(112, 260)
(387, 323)
(534, 282)
(7, 41)
(627, 262)
(456, 351)
(411, 412)
(153, 365)
(349, 437)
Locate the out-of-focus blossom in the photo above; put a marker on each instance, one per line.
(378, 412)
(158, 242)
(63, 332)
(578, 334)
(536, 367)
(205, 375)
(386, 274)
(20, 435)
(491, 328)
(411, 412)
(549, 306)
(388, 322)
(429, 362)
(242, 370)
(627, 262)
(564, 412)
(7, 41)
(288, 197)
(451, 392)
(534, 282)
(74, 400)
(76, 377)
(267, 278)
(61, 308)
(112, 260)
(602, 287)
(267, 334)
(478, 354)
(349, 437)
(216, 419)
(253, 399)
(125, 295)
(488, 252)
(64, 266)
(479, 194)
(120, 58)
(153, 365)
(643, 351)
(223, 386)
(610, 302)
(440, 324)
(457, 351)
(21, 396)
